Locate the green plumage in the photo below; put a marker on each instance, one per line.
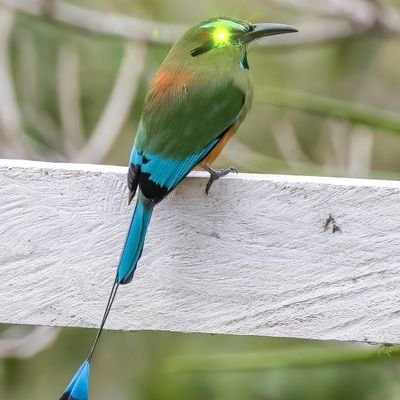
(185, 123)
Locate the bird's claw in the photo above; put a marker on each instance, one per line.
(216, 174)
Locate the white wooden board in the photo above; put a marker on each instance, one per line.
(252, 258)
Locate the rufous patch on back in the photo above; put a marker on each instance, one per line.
(169, 81)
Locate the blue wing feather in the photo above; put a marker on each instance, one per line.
(166, 173)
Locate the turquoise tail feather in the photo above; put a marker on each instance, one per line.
(78, 387)
(135, 240)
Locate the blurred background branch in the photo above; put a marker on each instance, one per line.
(69, 100)
(302, 357)
(352, 112)
(10, 116)
(123, 26)
(118, 106)
(359, 17)
(25, 342)
(47, 131)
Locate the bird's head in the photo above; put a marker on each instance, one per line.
(224, 37)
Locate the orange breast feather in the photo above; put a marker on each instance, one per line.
(218, 148)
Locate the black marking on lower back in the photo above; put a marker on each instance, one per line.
(151, 190)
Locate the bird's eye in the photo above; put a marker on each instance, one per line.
(221, 36)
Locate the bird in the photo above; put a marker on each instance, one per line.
(198, 98)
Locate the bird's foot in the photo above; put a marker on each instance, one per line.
(216, 174)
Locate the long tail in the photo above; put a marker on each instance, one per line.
(78, 388)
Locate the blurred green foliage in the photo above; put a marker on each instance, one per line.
(135, 366)
(358, 71)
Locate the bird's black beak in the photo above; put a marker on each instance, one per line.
(261, 30)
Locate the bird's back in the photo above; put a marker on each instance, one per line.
(191, 101)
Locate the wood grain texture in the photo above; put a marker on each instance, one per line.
(252, 258)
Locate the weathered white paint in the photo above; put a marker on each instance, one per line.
(251, 258)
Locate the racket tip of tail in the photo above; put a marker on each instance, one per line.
(78, 388)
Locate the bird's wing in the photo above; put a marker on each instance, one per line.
(177, 132)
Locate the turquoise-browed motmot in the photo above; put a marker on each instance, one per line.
(197, 100)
